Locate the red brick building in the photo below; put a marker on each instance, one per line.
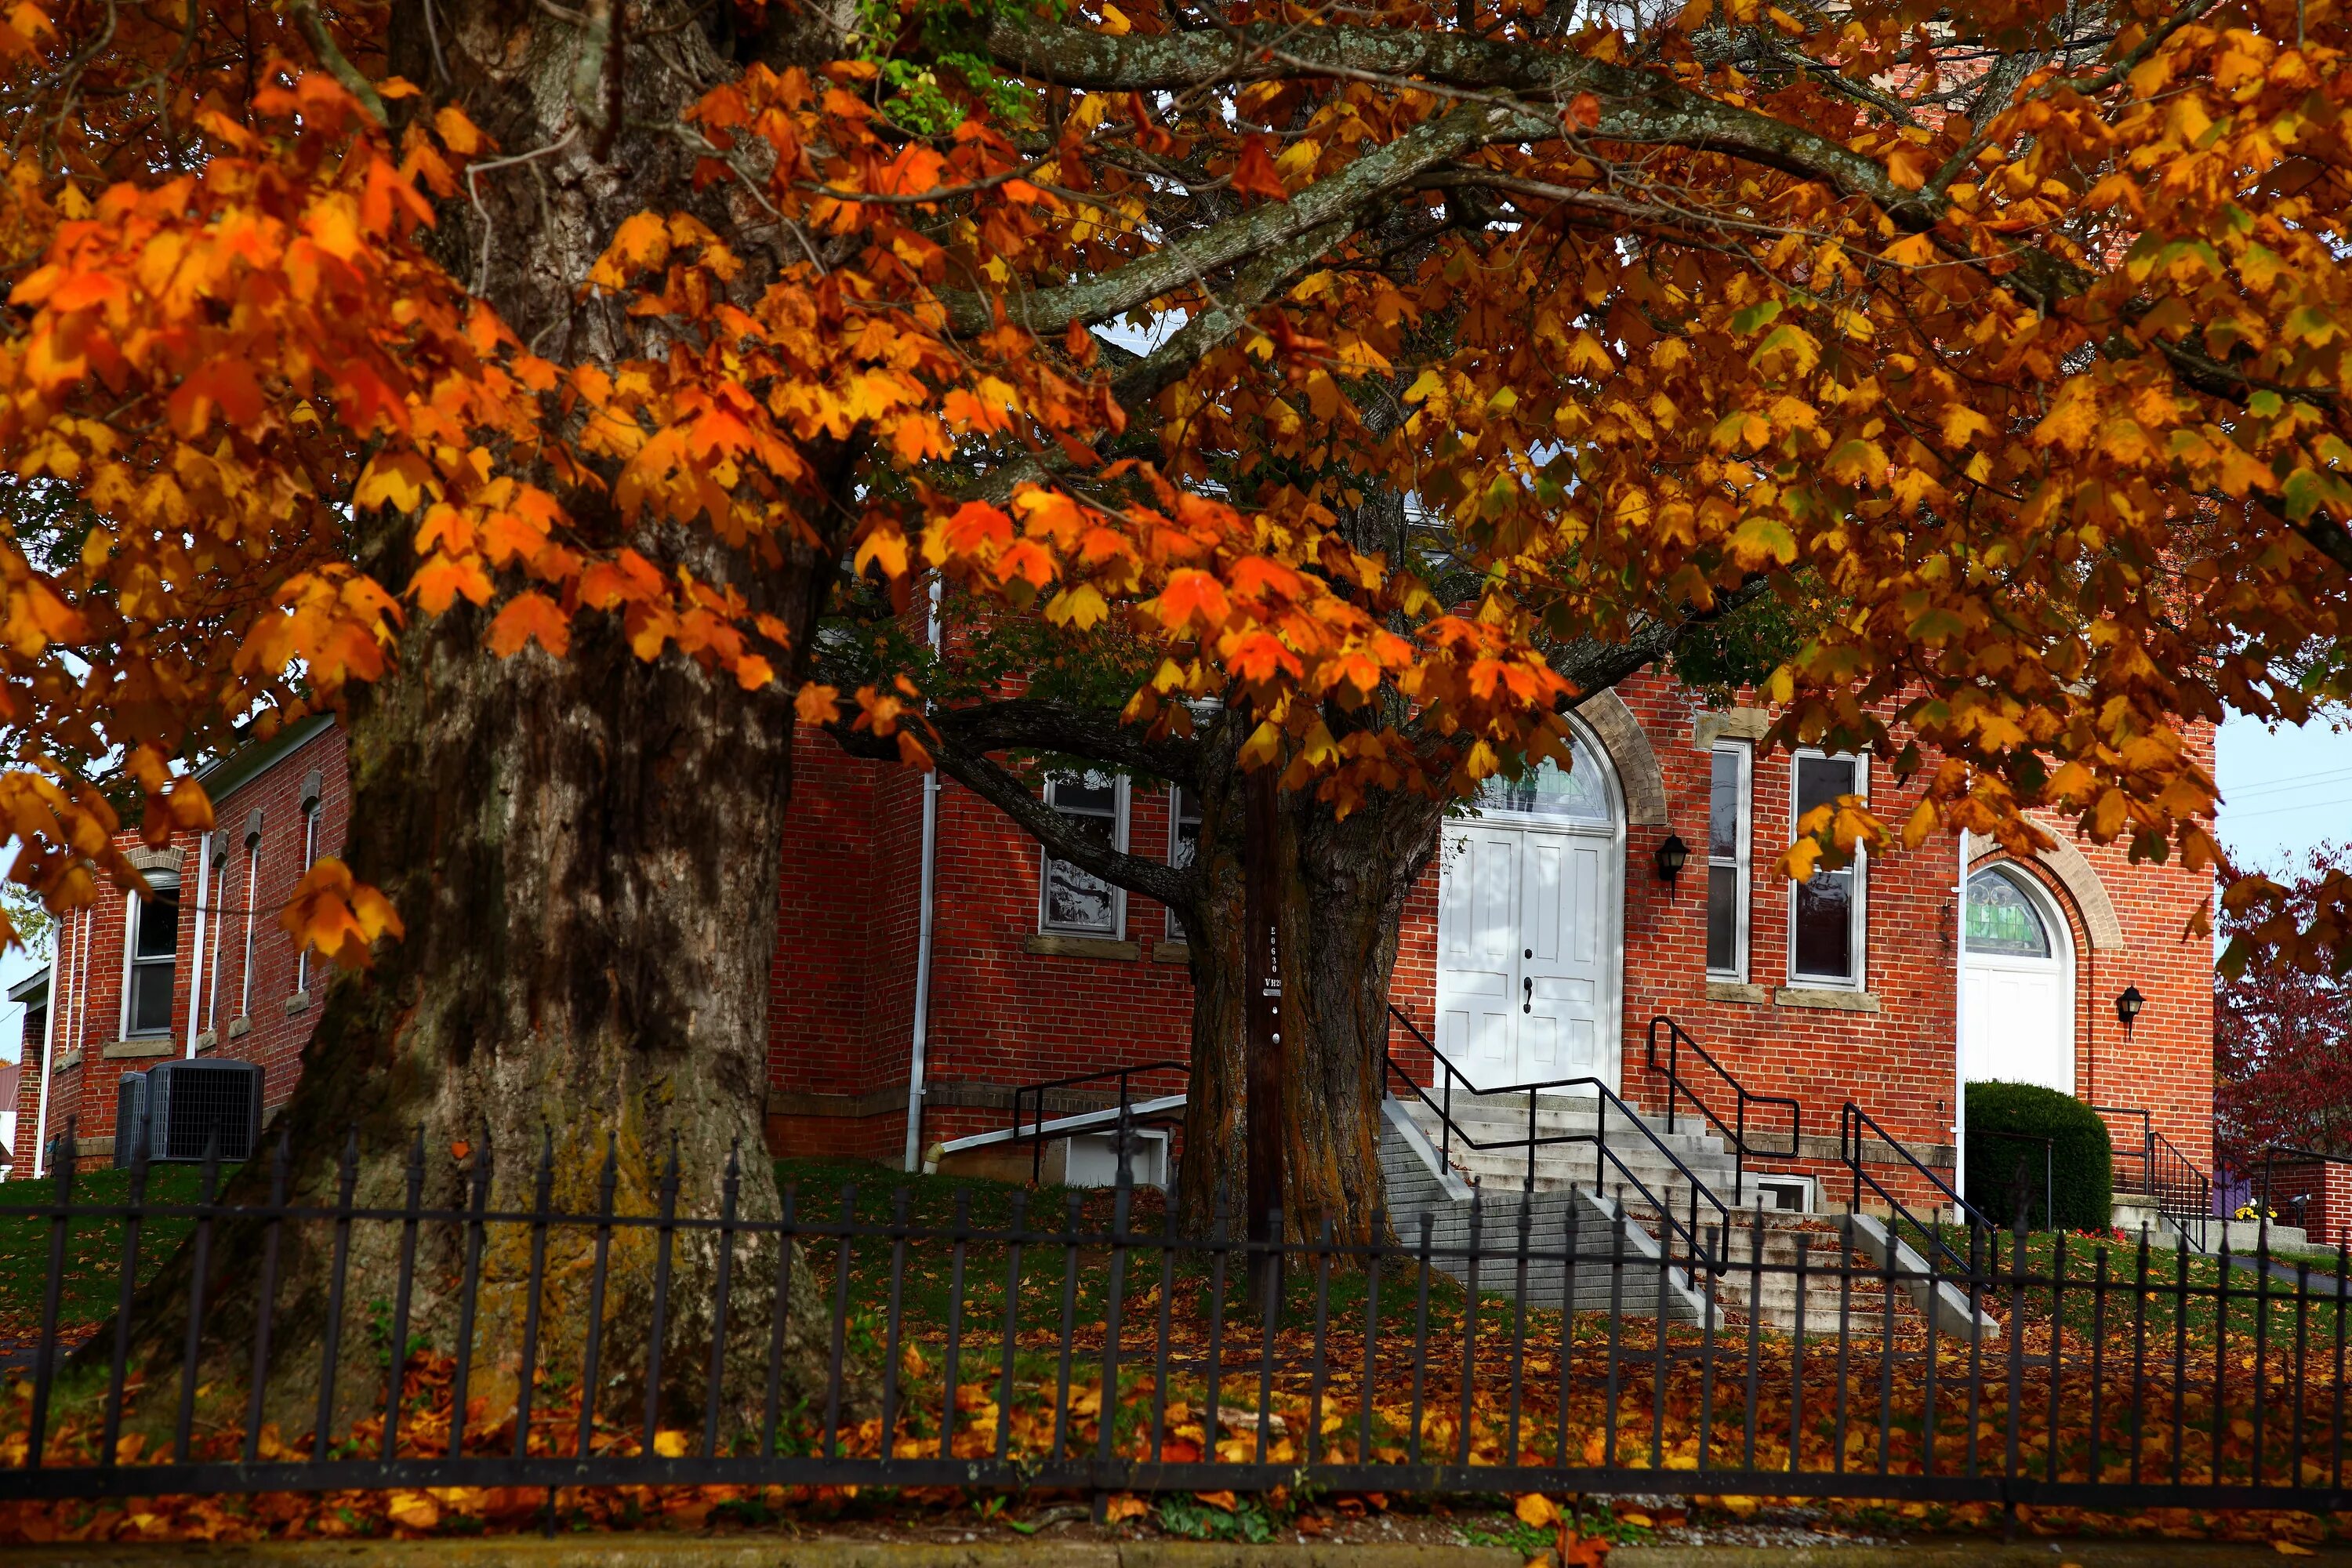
(1539, 946)
(200, 967)
(920, 976)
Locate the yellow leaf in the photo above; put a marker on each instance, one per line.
(457, 132)
(1082, 605)
(397, 480)
(1536, 1510)
(1912, 250)
(1264, 745)
(1125, 1505)
(885, 545)
(669, 1443)
(1963, 423)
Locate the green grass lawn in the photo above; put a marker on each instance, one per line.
(94, 1247)
(2172, 1279)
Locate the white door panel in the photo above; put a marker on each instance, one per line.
(1529, 958)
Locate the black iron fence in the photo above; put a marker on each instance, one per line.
(983, 1338)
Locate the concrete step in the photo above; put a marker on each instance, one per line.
(1618, 1266)
(1841, 1290)
(1487, 1118)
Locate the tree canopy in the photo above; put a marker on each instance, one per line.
(2020, 331)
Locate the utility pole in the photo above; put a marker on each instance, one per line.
(1262, 1027)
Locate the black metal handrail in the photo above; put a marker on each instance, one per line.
(1742, 1098)
(2182, 1192)
(1036, 1136)
(1852, 1120)
(1696, 1247)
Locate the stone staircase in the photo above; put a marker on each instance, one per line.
(1636, 1160)
(1616, 1230)
(1619, 1266)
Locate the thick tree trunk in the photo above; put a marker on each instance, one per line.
(585, 852)
(1344, 884)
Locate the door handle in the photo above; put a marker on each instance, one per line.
(1530, 1004)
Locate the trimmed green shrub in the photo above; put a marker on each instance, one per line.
(2007, 1121)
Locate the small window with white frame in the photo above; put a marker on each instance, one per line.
(1072, 901)
(312, 802)
(1184, 842)
(1827, 915)
(1727, 836)
(154, 951)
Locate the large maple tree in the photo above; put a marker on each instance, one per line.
(526, 378)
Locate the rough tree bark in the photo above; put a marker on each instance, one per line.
(1344, 886)
(584, 851)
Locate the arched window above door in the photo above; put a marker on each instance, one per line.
(1577, 794)
(2004, 918)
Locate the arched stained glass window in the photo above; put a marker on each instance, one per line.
(1577, 794)
(2003, 918)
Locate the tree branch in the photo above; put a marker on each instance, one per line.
(1636, 106)
(998, 785)
(1035, 725)
(1338, 201)
(1594, 665)
(1142, 381)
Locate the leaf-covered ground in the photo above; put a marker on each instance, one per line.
(2150, 1382)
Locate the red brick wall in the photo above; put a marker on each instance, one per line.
(278, 1021)
(1002, 1015)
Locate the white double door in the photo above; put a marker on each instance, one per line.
(1530, 954)
(2020, 1021)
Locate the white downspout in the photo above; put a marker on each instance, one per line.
(1960, 1036)
(48, 1054)
(196, 954)
(921, 1041)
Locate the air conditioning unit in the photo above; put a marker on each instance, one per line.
(129, 1116)
(203, 1104)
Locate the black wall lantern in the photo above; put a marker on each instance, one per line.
(1672, 857)
(2127, 1006)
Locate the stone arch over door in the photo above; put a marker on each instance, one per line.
(1620, 735)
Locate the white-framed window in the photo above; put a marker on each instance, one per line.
(309, 858)
(1729, 793)
(1184, 842)
(252, 900)
(153, 953)
(218, 871)
(1827, 915)
(1071, 902)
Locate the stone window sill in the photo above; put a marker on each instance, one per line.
(1172, 953)
(1826, 998)
(1734, 991)
(295, 1003)
(70, 1059)
(146, 1046)
(1084, 947)
(240, 1025)
(206, 1041)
